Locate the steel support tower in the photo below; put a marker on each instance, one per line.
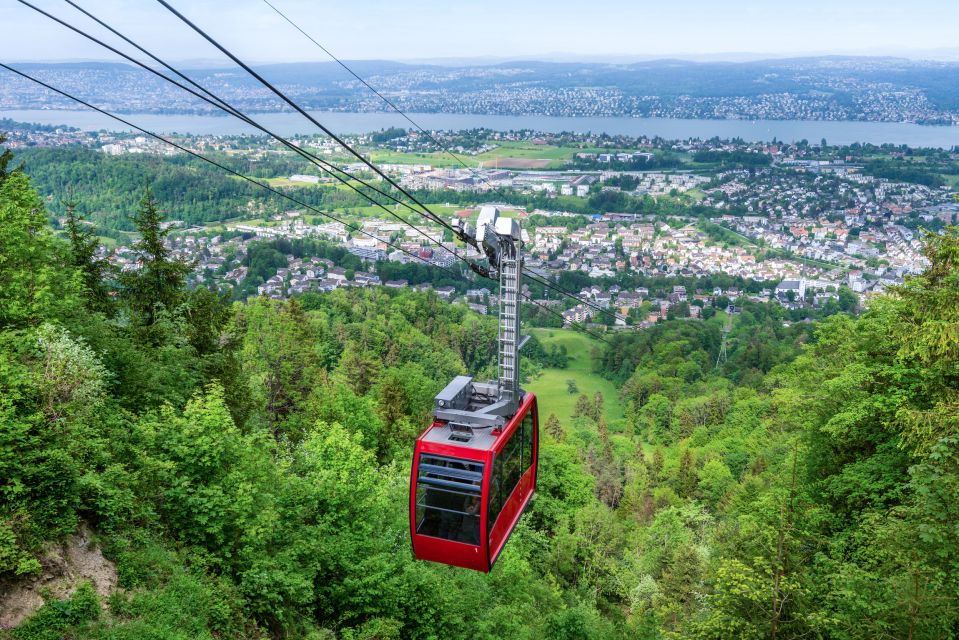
(464, 403)
(510, 279)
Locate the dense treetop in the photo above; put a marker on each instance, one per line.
(246, 463)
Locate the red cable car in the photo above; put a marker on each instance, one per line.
(468, 490)
(474, 468)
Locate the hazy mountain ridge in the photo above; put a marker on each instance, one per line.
(824, 88)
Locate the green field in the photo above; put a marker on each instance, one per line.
(550, 156)
(556, 157)
(278, 183)
(442, 210)
(551, 389)
(438, 159)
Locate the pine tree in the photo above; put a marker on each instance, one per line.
(687, 474)
(640, 456)
(583, 408)
(360, 369)
(554, 428)
(597, 408)
(609, 475)
(603, 429)
(656, 468)
(609, 484)
(5, 157)
(83, 252)
(158, 284)
(678, 585)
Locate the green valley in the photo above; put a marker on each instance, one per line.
(552, 387)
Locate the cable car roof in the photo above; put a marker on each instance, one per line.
(480, 439)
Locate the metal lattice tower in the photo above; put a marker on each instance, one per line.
(466, 404)
(721, 358)
(510, 276)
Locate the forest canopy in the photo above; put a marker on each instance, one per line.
(245, 463)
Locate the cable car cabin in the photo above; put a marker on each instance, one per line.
(474, 469)
(470, 486)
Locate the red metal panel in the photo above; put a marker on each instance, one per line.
(457, 554)
(453, 451)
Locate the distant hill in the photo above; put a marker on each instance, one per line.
(824, 88)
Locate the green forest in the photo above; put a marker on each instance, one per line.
(244, 465)
(109, 188)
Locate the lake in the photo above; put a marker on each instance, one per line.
(289, 123)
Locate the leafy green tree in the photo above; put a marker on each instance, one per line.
(33, 287)
(70, 375)
(563, 486)
(5, 157)
(848, 300)
(737, 608)
(715, 481)
(657, 415)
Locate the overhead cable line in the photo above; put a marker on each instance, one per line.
(445, 148)
(219, 165)
(223, 105)
(555, 287)
(253, 181)
(305, 114)
(266, 83)
(380, 95)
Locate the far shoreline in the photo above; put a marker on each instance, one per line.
(834, 131)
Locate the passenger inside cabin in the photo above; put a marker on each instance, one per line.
(471, 522)
(449, 521)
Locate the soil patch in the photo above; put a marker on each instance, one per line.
(66, 566)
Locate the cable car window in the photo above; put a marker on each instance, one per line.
(528, 441)
(508, 467)
(448, 498)
(496, 495)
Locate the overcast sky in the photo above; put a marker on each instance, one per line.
(440, 29)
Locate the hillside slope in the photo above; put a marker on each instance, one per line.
(245, 466)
